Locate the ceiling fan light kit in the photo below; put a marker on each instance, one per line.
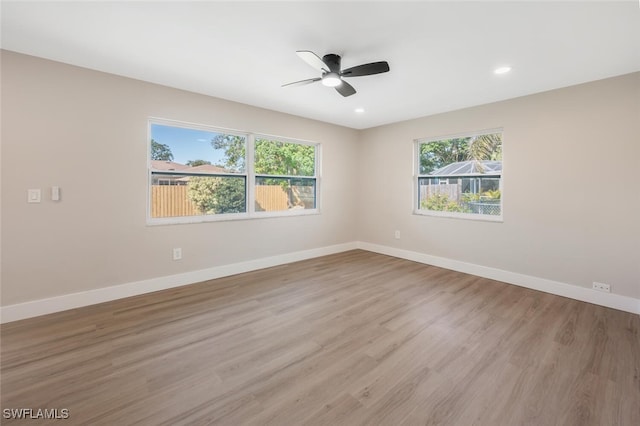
(333, 75)
(331, 79)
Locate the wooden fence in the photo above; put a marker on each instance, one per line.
(271, 198)
(450, 190)
(173, 200)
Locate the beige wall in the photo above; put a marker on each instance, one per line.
(87, 132)
(571, 186)
(571, 197)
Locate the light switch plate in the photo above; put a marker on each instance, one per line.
(33, 196)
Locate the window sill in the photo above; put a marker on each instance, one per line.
(228, 217)
(464, 216)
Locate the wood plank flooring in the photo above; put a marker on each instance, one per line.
(355, 338)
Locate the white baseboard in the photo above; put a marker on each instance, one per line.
(76, 300)
(610, 300)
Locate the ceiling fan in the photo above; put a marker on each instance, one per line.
(332, 75)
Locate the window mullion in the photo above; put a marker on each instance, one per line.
(251, 178)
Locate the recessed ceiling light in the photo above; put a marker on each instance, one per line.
(359, 110)
(502, 70)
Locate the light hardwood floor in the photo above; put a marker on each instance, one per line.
(355, 338)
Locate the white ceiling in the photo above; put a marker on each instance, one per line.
(441, 54)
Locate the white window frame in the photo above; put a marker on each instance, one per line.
(292, 212)
(454, 215)
(249, 175)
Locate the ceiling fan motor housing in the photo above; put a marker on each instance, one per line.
(333, 62)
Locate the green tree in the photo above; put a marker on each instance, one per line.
(234, 151)
(160, 151)
(216, 195)
(280, 158)
(485, 147)
(441, 202)
(230, 196)
(437, 154)
(196, 163)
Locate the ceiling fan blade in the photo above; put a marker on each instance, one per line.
(366, 69)
(302, 82)
(313, 60)
(345, 89)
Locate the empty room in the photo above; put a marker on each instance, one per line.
(320, 213)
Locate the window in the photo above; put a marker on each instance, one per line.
(198, 173)
(286, 171)
(460, 176)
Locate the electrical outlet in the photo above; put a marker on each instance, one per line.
(397, 235)
(602, 287)
(177, 253)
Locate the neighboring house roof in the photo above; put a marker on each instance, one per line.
(167, 165)
(205, 168)
(208, 168)
(469, 168)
